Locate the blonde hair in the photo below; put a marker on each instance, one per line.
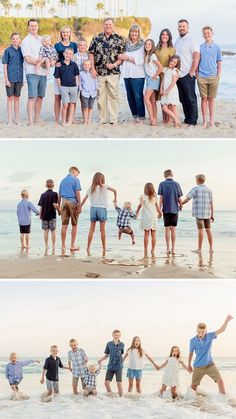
(45, 37)
(62, 29)
(135, 28)
(201, 326)
(24, 193)
(200, 178)
(127, 205)
(86, 62)
(73, 340)
(98, 180)
(12, 354)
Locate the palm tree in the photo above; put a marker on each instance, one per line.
(30, 8)
(7, 6)
(62, 5)
(52, 11)
(70, 5)
(100, 8)
(17, 7)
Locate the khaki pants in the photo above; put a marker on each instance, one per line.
(108, 98)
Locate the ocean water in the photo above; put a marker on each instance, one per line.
(208, 406)
(224, 230)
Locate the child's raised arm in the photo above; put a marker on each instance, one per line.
(224, 325)
(114, 192)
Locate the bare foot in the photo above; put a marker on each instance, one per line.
(204, 125)
(88, 252)
(133, 242)
(104, 252)
(74, 249)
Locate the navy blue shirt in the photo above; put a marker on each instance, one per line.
(46, 201)
(67, 73)
(171, 192)
(115, 353)
(52, 366)
(60, 48)
(14, 59)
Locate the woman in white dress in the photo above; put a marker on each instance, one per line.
(171, 374)
(148, 222)
(169, 91)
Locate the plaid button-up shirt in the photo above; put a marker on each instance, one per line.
(78, 359)
(79, 59)
(202, 199)
(124, 216)
(90, 380)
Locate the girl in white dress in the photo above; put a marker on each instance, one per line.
(135, 355)
(98, 196)
(171, 374)
(169, 91)
(148, 223)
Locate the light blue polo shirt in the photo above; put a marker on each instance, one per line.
(210, 55)
(68, 188)
(202, 348)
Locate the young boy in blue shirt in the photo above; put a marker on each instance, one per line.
(201, 344)
(24, 208)
(12, 61)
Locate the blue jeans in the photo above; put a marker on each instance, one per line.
(134, 89)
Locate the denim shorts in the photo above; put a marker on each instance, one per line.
(98, 214)
(152, 84)
(36, 85)
(137, 374)
(52, 385)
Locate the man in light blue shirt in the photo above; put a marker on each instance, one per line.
(69, 203)
(201, 344)
(209, 70)
(24, 208)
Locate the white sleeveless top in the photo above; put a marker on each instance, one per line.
(135, 361)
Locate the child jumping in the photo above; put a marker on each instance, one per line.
(90, 379)
(123, 220)
(48, 55)
(148, 223)
(201, 344)
(169, 91)
(12, 61)
(171, 375)
(14, 370)
(98, 196)
(24, 208)
(48, 204)
(202, 210)
(135, 355)
(153, 69)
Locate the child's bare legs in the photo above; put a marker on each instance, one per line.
(68, 111)
(163, 388)
(211, 104)
(57, 107)
(165, 117)
(167, 238)
(171, 114)
(46, 239)
(130, 386)
(120, 389)
(204, 111)
(85, 115)
(210, 239)
(90, 111)
(64, 113)
(148, 103)
(108, 386)
(200, 239)
(173, 239)
(146, 239)
(154, 108)
(75, 388)
(27, 241)
(14, 387)
(71, 113)
(138, 386)
(53, 235)
(174, 110)
(9, 110)
(153, 233)
(174, 392)
(132, 237)
(90, 235)
(221, 386)
(103, 236)
(120, 231)
(22, 240)
(17, 109)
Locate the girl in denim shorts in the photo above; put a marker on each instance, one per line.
(98, 196)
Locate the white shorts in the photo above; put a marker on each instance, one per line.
(56, 88)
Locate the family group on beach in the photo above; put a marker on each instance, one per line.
(164, 72)
(200, 345)
(69, 205)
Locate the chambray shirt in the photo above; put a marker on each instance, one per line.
(171, 192)
(115, 353)
(14, 59)
(202, 198)
(68, 188)
(210, 55)
(14, 372)
(78, 359)
(202, 348)
(88, 85)
(24, 208)
(90, 380)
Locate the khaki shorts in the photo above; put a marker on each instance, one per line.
(200, 372)
(208, 86)
(203, 223)
(69, 210)
(75, 381)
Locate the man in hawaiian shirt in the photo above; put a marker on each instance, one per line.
(103, 54)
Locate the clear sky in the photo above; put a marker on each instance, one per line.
(221, 14)
(34, 315)
(127, 165)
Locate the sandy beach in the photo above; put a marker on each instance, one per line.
(225, 122)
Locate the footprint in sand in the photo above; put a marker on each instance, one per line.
(92, 275)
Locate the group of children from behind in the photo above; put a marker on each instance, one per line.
(169, 205)
(200, 345)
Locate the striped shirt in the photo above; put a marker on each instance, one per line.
(124, 216)
(78, 359)
(90, 379)
(202, 199)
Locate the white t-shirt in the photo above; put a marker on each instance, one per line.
(135, 361)
(99, 198)
(151, 67)
(131, 70)
(31, 46)
(185, 47)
